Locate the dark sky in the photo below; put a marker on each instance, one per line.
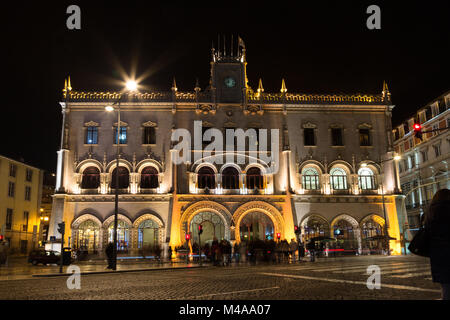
(317, 46)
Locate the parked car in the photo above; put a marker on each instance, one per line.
(45, 257)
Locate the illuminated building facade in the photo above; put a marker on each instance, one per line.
(333, 159)
(20, 200)
(424, 167)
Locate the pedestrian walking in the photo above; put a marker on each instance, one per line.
(169, 253)
(437, 223)
(3, 253)
(109, 255)
(301, 251)
(311, 246)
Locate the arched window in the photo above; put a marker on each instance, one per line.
(366, 179)
(206, 178)
(87, 236)
(316, 227)
(149, 178)
(148, 233)
(91, 178)
(338, 179)
(230, 178)
(123, 234)
(124, 178)
(254, 179)
(310, 178)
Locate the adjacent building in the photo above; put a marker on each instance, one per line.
(20, 200)
(327, 165)
(424, 167)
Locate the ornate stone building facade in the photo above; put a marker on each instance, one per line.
(330, 158)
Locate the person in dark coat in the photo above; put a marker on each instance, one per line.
(109, 255)
(311, 246)
(437, 223)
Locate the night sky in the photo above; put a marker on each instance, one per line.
(316, 46)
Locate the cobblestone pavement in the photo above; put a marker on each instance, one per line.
(328, 278)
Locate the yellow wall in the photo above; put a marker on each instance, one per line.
(18, 203)
(393, 225)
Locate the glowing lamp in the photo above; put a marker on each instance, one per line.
(131, 85)
(109, 108)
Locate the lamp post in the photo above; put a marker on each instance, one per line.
(386, 234)
(130, 86)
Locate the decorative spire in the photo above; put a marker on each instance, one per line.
(283, 86)
(260, 87)
(69, 87)
(386, 94)
(174, 85)
(197, 86)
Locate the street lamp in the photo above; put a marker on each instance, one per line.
(395, 158)
(130, 86)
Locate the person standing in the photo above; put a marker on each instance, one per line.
(437, 223)
(109, 255)
(311, 246)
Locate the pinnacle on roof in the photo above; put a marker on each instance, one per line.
(260, 86)
(283, 86)
(174, 85)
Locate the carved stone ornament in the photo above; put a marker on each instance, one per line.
(122, 124)
(205, 109)
(253, 109)
(150, 124)
(309, 125)
(365, 125)
(91, 124)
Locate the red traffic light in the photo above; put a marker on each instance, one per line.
(418, 131)
(188, 236)
(278, 235)
(1, 237)
(200, 227)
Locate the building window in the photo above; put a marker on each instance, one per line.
(396, 135)
(124, 178)
(12, 170)
(424, 156)
(149, 178)
(149, 135)
(336, 137)
(206, 178)
(310, 179)
(437, 150)
(338, 179)
(123, 135)
(92, 135)
(428, 113)
(25, 221)
(148, 234)
(29, 175)
(91, 178)
(11, 189)
(366, 179)
(27, 193)
(364, 137)
(309, 137)
(254, 179)
(9, 218)
(230, 178)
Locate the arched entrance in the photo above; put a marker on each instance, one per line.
(372, 232)
(345, 229)
(258, 220)
(314, 226)
(256, 226)
(87, 234)
(213, 227)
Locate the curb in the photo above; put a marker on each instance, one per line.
(112, 272)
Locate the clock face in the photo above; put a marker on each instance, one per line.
(230, 82)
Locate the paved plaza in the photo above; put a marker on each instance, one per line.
(402, 277)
